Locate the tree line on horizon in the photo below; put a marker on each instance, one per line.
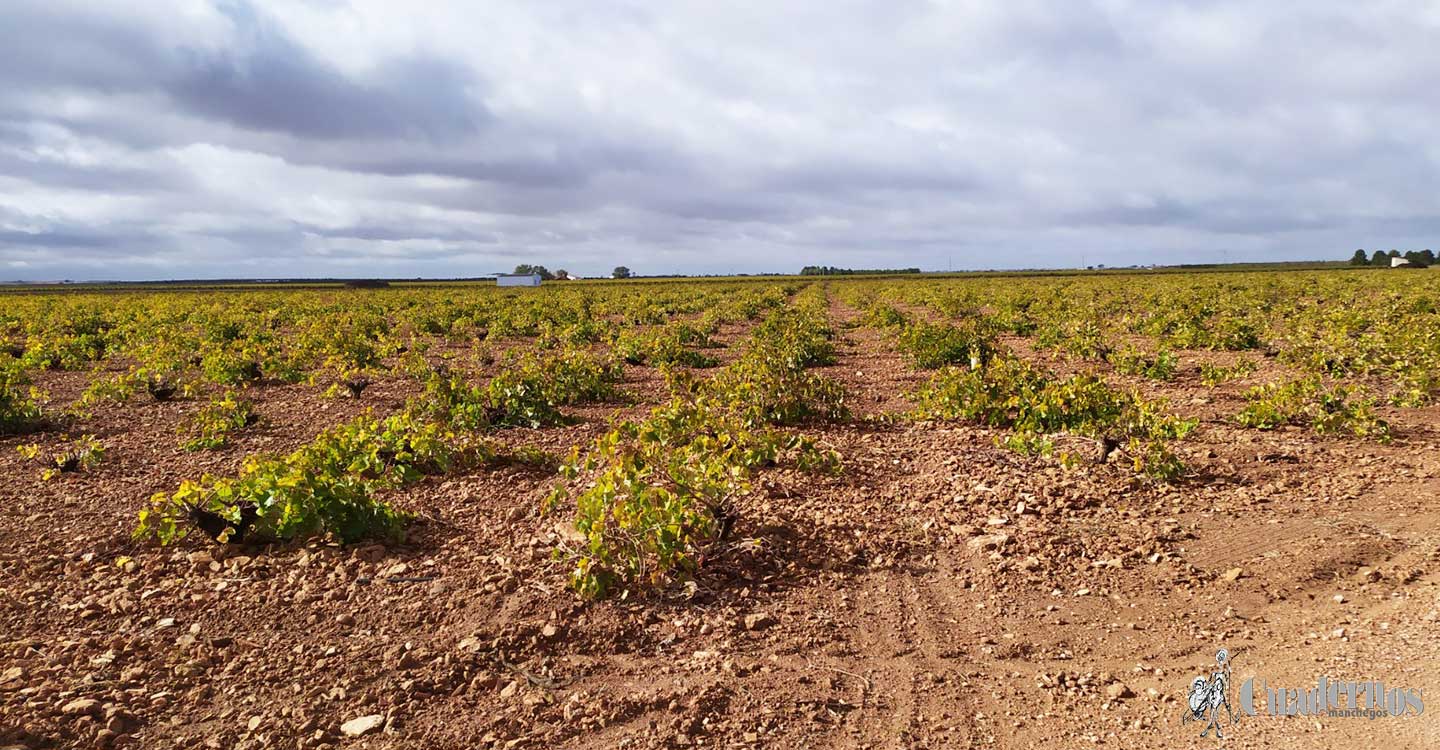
(1381, 258)
(833, 271)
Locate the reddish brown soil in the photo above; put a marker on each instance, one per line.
(940, 592)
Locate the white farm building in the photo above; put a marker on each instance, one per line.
(517, 279)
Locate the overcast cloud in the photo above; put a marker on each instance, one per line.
(374, 138)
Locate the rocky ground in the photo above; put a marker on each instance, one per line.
(939, 592)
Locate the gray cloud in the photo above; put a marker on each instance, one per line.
(273, 84)
(245, 137)
(52, 239)
(1219, 217)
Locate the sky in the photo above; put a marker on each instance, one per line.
(304, 138)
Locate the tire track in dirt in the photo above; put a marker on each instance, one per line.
(909, 618)
(914, 670)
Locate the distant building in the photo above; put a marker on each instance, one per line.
(1399, 262)
(517, 279)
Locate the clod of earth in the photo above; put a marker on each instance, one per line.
(758, 621)
(82, 707)
(361, 726)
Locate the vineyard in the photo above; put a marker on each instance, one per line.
(907, 511)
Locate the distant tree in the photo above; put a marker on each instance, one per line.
(1427, 257)
(526, 269)
(1359, 259)
(562, 275)
(620, 272)
(1380, 259)
(1394, 253)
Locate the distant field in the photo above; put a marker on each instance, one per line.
(423, 283)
